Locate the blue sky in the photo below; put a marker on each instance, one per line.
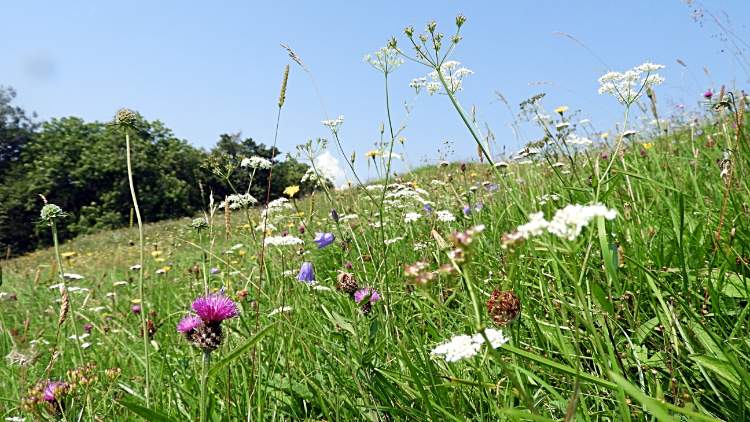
(207, 68)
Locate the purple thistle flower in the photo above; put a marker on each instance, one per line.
(285, 233)
(12, 296)
(708, 95)
(88, 327)
(188, 323)
(136, 308)
(348, 265)
(215, 307)
(605, 156)
(361, 294)
(306, 273)
(49, 391)
(467, 210)
(302, 229)
(324, 239)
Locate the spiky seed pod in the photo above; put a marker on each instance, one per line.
(282, 97)
(65, 308)
(366, 308)
(347, 282)
(208, 337)
(503, 307)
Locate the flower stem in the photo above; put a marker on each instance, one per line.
(65, 287)
(204, 378)
(140, 263)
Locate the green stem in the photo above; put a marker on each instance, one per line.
(62, 277)
(141, 262)
(204, 378)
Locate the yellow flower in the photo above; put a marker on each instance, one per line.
(291, 190)
(242, 253)
(155, 253)
(561, 110)
(402, 140)
(234, 262)
(473, 175)
(373, 153)
(166, 268)
(159, 259)
(301, 213)
(67, 254)
(604, 135)
(648, 145)
(246, 226)
(135, 300)
(349, 182)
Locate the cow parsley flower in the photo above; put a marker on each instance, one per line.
(411, 217)
(276, 311)
(239, 201)
(445, 216)
(629, 86)
(256, 162)
(283, 241)
(458, 348)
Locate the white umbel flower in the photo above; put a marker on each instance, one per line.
(464, 346)
(283, 241)
(445, 216)
(411, 217)
(276, 311)
(256, 163)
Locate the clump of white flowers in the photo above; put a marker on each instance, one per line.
(411, 217)
(629, 86)
(256, 163)
(445, 216)
(276, 311)
(465, 346)
(239, 201)
(567, 222)
(386, 60)
(283, 241)
(452, 76)
(334, 124)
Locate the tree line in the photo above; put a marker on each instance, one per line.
(81, 167)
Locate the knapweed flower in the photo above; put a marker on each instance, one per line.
(360, 295)
(291, 190)
(136, 309)
(215, 307)
(708, 95)
(52, 388)
(324, 239)
(188, 325)
(88, 327)
(306, 273)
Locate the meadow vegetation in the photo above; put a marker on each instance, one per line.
(590, 276)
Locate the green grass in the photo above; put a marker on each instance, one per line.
(640, 317)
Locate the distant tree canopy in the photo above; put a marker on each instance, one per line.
(82, 168)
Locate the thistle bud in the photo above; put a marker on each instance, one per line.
(463, 167)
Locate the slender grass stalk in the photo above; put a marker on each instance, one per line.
(64, 287)
(141, 263)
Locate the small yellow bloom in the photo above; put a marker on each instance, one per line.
(135, 300)
(246, 226)
(242, 253)
(291, 190)
(473, 175)
(301, 213)
(159, 259)
(561, 110)
(604, 135)
(349, 182)
(234, 262)
(67, 254)
(166, 268)
(402, 140)
(155, 253)
(648, 145)
(373, 153)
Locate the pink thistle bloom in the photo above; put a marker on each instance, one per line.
(215, 308)
(361, 294)
(188, 323)
(49, 392)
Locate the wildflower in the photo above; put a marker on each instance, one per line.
(394, 240)
(199, 224)
(239, 201)
(306, 273)
(348, 265)
(291, 190)
(361, 295)
(443, 164)
(136, 267)
(255, 162)
(136, 309)
(88, 327)
(373, 154)
(321, 288)
(561, 126)
(604, 156)
(212, 309)
(503, 307)
(629, 132)
(501, 164)
(276, 311)
(401, 140)
(302, 229)
(412, 216)
(458, 348)
(496, 337)
(214, 270)
(643, 153)
(534, 227)
(629, 86)
(188, 325)
(347, 282)
(324, 239)
(283, 241)
(462, 166)
(648, 145)
(72, 276)
(708, 95)
(445, 216)
(467, 210)
(334, 216)
(605, 135)
(427, 209)
(561, 110)
(478, 207)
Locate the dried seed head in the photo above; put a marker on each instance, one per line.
(503, 307)
(65, 308)
(282, 97)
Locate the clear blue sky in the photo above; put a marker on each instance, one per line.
(207, 68)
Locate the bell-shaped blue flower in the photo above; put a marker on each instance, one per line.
(306, 273)
(324, 239)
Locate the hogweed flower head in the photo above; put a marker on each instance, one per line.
(256, 162)
(628, 87)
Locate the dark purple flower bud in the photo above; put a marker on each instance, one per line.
(324, 239)
(88, 327)
(643, 153)
(136, 309)
(335, 216)
(306, 273)
(302, 229)
(463, 166)
(605, 156)
(708, 95)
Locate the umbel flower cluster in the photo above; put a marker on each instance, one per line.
(629, 86)
(205, 329)
(567, 222)
(464, 346)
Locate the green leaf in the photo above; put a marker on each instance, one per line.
(645, 329)
(720, 367)
(146, 413)
(343, 323)
(601, 297)
(239, 350)
(559, 367)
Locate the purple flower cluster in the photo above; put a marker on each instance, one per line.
(215, 307)
(189, 323)
(361, 294)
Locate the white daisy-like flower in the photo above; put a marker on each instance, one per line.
(276, 311)
(411, 217)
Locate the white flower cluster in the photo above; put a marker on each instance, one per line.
(407, 192)
(323, 175)
(418, 84)
(276, 311)
(629, 86)
(335, 124)
(394, 240)
(573, 139)
(452, 76)
(386, 60)
(256, 163)
(283, 241)
(411, 217)
(445, 216)
(464, 346)
(239, 201)
(567, 222)
(374, 187)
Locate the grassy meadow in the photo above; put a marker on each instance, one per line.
(575, 280)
